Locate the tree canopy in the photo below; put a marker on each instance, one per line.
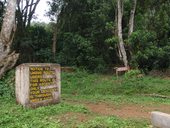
(86, 33)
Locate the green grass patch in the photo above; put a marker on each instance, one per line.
(113, 122)
(15, 116)
(116, 99)
(82, 83)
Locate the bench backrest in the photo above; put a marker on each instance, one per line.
(119, 69)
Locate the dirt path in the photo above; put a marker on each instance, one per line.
(124, 111)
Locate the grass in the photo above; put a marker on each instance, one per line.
(90, 84)
(81, 86)
(117, 99)
(15, 116)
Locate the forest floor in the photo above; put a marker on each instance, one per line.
(93, 101)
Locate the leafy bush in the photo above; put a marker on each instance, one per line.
(132, 74)
(7, 85)
(147, 54)
(36, 40)
(44, 55)
(78, 51)
(133, 82)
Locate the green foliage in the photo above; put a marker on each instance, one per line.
(78, 51)
(13, 115)
(87, 32)
(132, 74)
(44, 55)
(81, 82)
(7, 84)
(133, 82)
(93, 29)
(112, 41)
(112, 122)
(96, 23)
(147, 54)
(140, 40)
(37, 41)
(87, 35)
(151, 37)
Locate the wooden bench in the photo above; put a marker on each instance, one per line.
(68, 69)
(121, 69)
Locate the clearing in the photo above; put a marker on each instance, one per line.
(91, 101)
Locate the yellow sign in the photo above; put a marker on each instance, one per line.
(43, 83)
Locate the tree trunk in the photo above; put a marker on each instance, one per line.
(25, 11)
(120, 36)
(7, 59)
(54, 40)
(132, 15)
(32, 11)
(116, 34)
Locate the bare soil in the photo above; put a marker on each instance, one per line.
(124, 111)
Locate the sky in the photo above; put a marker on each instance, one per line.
(40, 11)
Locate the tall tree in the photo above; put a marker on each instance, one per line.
(54, 41)
(119, 14)
(53, 13)
(7, 59)
(120, 35)
(132, 15)
(24, 14)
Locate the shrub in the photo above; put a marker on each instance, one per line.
(133, 82)
(147, 53)
(79, 51)
(132, 74)
(7, 85)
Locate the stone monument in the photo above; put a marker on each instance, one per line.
(37, 84)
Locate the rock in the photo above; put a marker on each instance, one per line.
(160, 120)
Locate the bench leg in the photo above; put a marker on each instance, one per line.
(117, 74)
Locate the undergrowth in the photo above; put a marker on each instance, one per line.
(133, 83)
(7, 84)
